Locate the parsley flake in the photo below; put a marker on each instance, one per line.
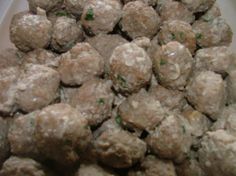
(198, 36)
(184, 129)
(122, 81)
(118, 119)
(163, 62)
(61, 13)
(89, 15)
(173, 37)
(182, 36)
(101, 101)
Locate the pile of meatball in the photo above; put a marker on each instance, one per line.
(118, 88)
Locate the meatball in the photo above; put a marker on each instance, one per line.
(93, 169)
(94, 98)
(28, 31)
(206, 91)
(172, 65)
(47, 5)
(8, 82)
(171, 99)
(130, 68)
(171, 139)
(141, 111)
(212, 13)
(16, 166)
(101, 16)
(10, 57)
(118, 148)
(61, 133)
(218, 153)
(75, 6)
(217, 59)
(180, 31)
(80, 64)
(21, 136)
(41, 57)
(152, 166)
(66, 33)
(37, 87)
(231, 86)
(174, 10)
(212, 33)
(105, 44)
(4, 144)
(198, 5)
(139, 20)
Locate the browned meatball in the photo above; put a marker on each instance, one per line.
(212, 13)
(8, 82)
(212, 33)
(41, 57)
(75, 6)
(199, 5)
(16, 166)
(180, 31)
(21, 136)
(231, 85)
(152, 166)
(206, 91)
(94, 98)
(171, 139)
(10, 57)
(28, 31)
(118, 148)
(141, 111)
(172, 65)
(66, 33)
(217, 59)
(101, 16)
(62, 133)
(174, 10)
(130, 67)
(37, 87)
(44, 4)
(105, 44)
(171, 99)
(4, 144)
(80, 64)
(92, 170)
(139, 20)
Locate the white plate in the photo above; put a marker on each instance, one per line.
(9, 7)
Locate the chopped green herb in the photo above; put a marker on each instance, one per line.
(89, 15)
(18, 55)
(184, 129)
(173, 37)
(198, 36)
(122, 81)
(182, 36)
(163, 62)
(207, 18)
(118, 119)
(61, 13)
(101, 101)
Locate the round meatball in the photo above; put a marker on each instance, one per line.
(118, 148)
(4, 144)
(10, 57)
(28, 31)
(41, 57)
(130, 68)
(101, 16)
(47, 5)
(217, 59)
(172, 65)
(198, 5)
(141, 111)
(16, 166)
(37, 87)
(8, 82)
(139, 20)
(93, 169)
(212, 33)
(62, 133)
(171, 139)
(212, 13)
(171, 99)
(66, 33)
(174, 10)
(105, 44)
(206, 91)
(218, 154)
(75, 6)
(21, 136)
(180, 31)
(80, 64)
(94, 98)
(231, 86)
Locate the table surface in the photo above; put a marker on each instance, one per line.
(9, 7)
